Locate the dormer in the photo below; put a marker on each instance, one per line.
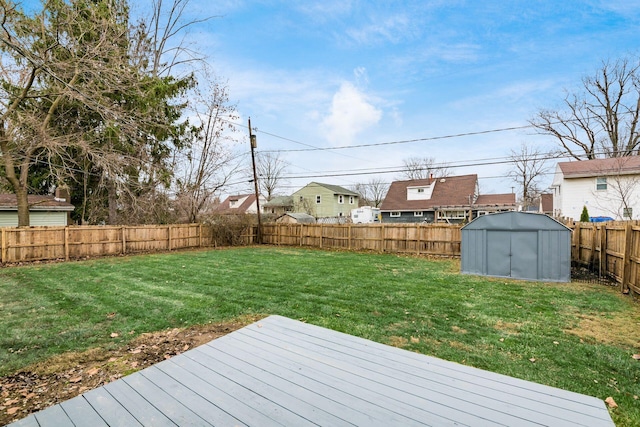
(420, 192)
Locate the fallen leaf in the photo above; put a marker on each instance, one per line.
(135, 351)
(259, 325)
(501, 339)
(612, 403)
(92, 372)
(114, 334)
(30, 396)
(556, 342)
(532, 360)
(11, 402)
(112, 359)
(635, 397)
(75, 380)
(167, 356)
(13, 410)
(186, 347)
(415, 340)
(636, 356)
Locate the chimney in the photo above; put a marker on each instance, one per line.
(62, 194)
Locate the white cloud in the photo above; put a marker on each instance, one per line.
(351, 113)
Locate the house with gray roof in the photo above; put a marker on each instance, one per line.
(324, 200)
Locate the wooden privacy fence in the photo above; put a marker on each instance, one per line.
(422, 239)
(46, 243)
(610, 248)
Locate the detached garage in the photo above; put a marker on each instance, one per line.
(519, 245)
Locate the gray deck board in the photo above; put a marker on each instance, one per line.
(499, 406)
(79, 409)
(281, 372)
(428, 367)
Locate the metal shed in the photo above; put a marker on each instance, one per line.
(520, 245)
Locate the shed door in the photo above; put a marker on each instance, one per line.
(512, 254)
(524, 254)
(499, 253)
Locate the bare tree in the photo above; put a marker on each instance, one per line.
(529, 166)
(209, 161)
(601, 119)
(423, 168)
(617, 190)
(271, 171)
(372, 193)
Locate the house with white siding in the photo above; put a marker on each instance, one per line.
(607, 187)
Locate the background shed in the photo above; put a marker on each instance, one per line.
(519, 245)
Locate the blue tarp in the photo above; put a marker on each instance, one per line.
(600, 218)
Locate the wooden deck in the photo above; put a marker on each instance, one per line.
(281, 372)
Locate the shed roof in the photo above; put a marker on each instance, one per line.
(515, 221)
(302, 218)
(9, 202)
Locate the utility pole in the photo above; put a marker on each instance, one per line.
(254, 144)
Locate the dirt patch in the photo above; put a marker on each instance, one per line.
(511, 328)
(68, 375)
(618, 330)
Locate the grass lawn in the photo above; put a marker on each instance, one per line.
(574, 336)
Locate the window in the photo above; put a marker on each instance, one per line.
(601, 184)
(394, 214)
(627, 212)
(417, 213)
(340, 199)
(420, 190)
(351, 200)
(302, 198)
(318, 199)
(452, 214)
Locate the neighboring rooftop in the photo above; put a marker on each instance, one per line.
(9, 202)
(448, 191)
(611, 166)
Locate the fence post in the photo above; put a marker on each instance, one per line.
(124, 241)
(602, 267)
(169, 237)
(66, 243)
(578, 251)
(200, 235)
(419, 241)
(3, 254)
(382, 238)
(626, 266)
(349, 237)
(321, 233)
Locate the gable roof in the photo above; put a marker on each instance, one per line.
(302, 218)
(448, 191)
(225, 206)
(336, 189)
(279, 201)
(9, 202)
(598, 167)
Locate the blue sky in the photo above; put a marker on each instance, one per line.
(338, 73)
